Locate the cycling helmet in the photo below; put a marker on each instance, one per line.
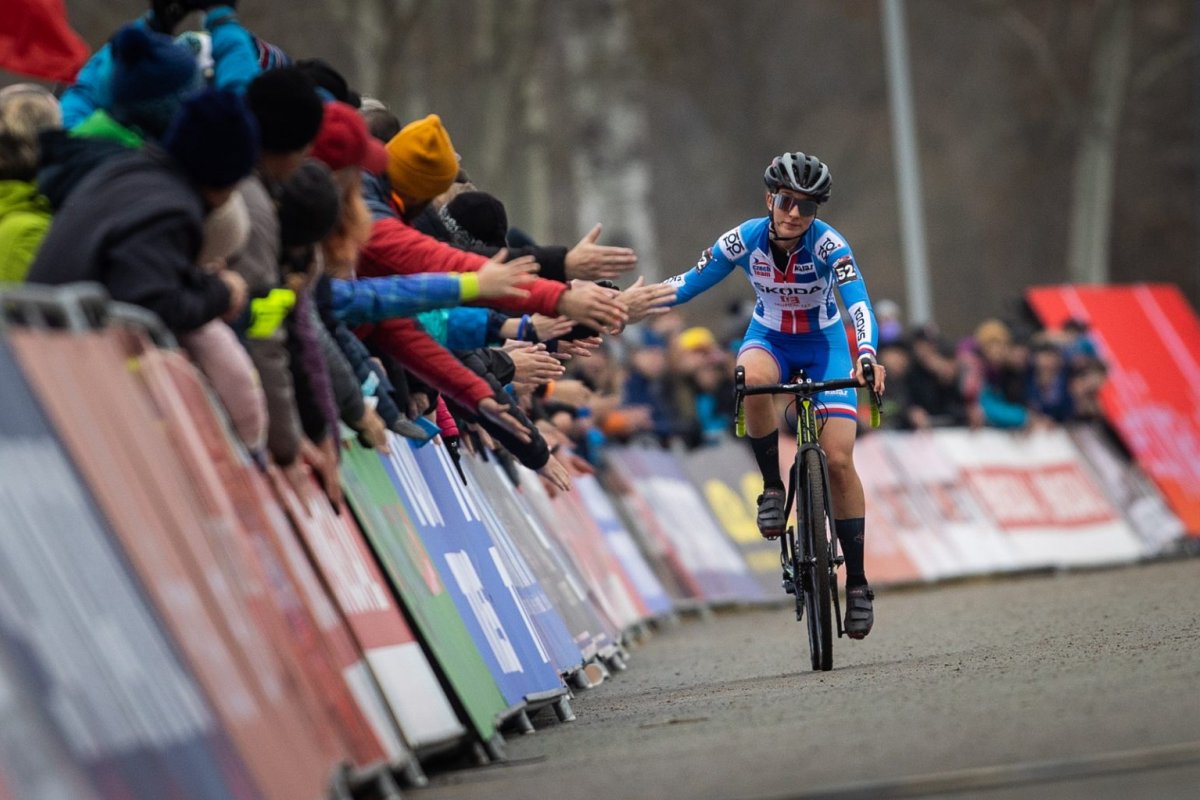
(801, 173)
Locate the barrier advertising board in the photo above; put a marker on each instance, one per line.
(1146, 334)
(384, 518)
(451, 525)
(493, 498)
(1038, 492)
(730, 483)
(108, 426)
(704, 551)
(72, 618)
(556, 573)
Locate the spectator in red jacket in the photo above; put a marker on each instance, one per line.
(421, 165)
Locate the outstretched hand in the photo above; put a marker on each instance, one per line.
(647, 300)
(500, 278)
(492, 409)
(593, 305)
(590, 261)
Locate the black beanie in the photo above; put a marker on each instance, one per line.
(288, 109)
(309, 206)
(481, 215)
(214, 138)
(326, 77)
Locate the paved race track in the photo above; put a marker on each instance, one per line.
(1082, 685)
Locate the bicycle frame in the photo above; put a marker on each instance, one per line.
(808, 438)
(809, 561)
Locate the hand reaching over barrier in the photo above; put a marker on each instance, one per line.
(590, 261)
(501, 278)
(592, 305)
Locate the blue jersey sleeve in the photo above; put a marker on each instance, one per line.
(715, 263)
(835, 255)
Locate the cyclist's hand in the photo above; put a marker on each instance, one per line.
(876, 368)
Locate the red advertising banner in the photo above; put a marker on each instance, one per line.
(228, 482)
(109, 427)
(1147, 336)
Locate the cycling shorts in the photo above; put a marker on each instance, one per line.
(822, 357)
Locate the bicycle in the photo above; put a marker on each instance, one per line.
(809, 550)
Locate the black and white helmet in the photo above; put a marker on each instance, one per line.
(801, 173)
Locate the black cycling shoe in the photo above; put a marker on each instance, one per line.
(860, 612)
(770, 512)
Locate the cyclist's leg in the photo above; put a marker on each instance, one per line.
(849, 507)
(846, 490)
(762, 366)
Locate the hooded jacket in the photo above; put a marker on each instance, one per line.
(24, 220)
(135, 225)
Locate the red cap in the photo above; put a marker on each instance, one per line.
(344, 141)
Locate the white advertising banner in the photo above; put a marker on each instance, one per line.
(1038, 491)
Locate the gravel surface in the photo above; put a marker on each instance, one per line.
(1083, 684)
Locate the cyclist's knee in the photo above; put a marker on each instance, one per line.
(841, 462)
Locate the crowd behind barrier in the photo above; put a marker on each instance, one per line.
(332, 491)
(178, 621)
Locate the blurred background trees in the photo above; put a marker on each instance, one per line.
(1059, 139)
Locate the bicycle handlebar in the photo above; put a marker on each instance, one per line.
(804, 388)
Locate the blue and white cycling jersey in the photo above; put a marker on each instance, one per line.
(796, 319)
(800, 298)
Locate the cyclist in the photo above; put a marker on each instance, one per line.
(794, 261)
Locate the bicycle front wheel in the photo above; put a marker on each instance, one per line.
(814, 539)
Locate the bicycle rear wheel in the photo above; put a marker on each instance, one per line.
(813, 538)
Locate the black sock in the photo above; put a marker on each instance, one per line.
(850, 533)
(766, 453)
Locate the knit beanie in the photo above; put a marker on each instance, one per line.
(329, 81)
(344, 141)
(421, 160)
(151, 76)
(479, 215)
(309, 205)
(214, 138)
(288, 109)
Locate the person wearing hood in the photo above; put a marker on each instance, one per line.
(150, 78)
(25, 110)
(136, 224)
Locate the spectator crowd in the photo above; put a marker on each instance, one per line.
(329, 267)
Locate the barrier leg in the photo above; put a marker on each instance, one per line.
(562, 709)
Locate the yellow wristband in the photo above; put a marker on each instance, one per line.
(468, 286)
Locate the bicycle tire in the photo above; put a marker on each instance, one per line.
(814, 528)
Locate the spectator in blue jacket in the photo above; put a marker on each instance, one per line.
(235, 54)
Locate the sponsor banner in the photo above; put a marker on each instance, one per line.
(372, 484)
(495, 497)
(116, 437)
(451, 524)
(730, 483)
(110, 692)
(701, 547)
(901, 545)
(339, 550)
(555, 570)
(1127, 486)
(568, 521)
(34, 760)
(943, 504)
(658, 548)
(1146, 334)
(1038, 492)
(621, 545)
(225, 480)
